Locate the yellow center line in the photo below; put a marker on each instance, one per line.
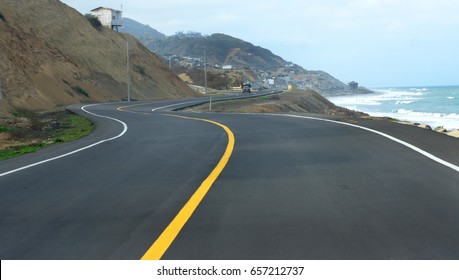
(160, 246)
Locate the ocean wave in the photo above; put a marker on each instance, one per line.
(419, 89)
(399, 93)
(398, 97)
(433, 106)
(355, 100)
(437, 115)
(404, 102)
(377, 98)
(403, 111)
(448, 121)
(404, 92)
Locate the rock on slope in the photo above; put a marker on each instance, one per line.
(52, 56)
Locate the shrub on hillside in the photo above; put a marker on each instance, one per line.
(80, 90)
(95, 22)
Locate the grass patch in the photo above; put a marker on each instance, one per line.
(35, 131)
(73, 127)
(19, 150)
(5, 128)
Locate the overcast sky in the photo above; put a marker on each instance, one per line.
(374, 42)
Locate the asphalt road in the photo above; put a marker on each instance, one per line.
(293, 188)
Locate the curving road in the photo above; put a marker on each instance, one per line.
(292, 188)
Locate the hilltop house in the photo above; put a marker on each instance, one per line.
(353, 85)
(108, 17)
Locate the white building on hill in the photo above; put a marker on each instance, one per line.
(108, 17)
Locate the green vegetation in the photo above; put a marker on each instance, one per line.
(2, 17)
(5, 128)
(19, 150)
(24, 113)
(95, 22)
(73, 127)
(80, 90)
(34, 131)
(77, 88)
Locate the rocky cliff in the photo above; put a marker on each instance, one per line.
(52, 56)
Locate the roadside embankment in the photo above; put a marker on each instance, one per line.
(27, 131)
(302, 101)
(298, 101)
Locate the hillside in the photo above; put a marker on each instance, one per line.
(260, 66)
(141, 31)
(52, 56)
(220, 49)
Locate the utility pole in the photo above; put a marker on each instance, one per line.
(128, 73)
(205, 73)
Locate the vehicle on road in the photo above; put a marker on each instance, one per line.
(246, 88)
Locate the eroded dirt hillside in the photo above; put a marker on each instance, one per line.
(52, 56)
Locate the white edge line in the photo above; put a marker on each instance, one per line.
(125, 128)
(414, 148)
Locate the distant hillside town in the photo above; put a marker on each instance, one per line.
(236, 59)
(230, 61)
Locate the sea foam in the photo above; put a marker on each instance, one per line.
(435, 106)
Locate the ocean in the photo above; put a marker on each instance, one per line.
(434, 106)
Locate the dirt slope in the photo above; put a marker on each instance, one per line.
(51, 56)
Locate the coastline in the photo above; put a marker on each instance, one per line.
(440, 129)
(450, 132)
(433, 108)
